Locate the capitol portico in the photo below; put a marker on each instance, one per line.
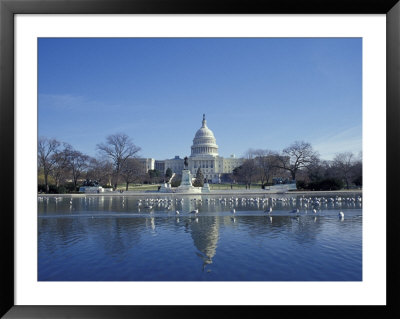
(204, 155)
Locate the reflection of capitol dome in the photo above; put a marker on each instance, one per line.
(205, 237)
(204, 142)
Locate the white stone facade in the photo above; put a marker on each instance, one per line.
(175, 164)
(147, 163)
(204, 155)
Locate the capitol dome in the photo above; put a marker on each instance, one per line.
(204, 143)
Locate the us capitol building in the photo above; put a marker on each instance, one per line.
(204, 154)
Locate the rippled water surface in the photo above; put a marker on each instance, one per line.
(118, 238)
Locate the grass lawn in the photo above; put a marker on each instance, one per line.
(154, 187)
(234, 186)
(137, 187)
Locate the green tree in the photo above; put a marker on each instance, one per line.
(199, 181)
(153, 174)
(168, 174)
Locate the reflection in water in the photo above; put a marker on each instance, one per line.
(117, 238)
(205, 237)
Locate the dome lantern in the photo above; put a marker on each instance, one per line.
(204, 124)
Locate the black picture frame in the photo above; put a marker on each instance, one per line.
(8, 8)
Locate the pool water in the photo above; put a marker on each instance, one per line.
(122, 238)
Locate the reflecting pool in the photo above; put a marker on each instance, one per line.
(230, 238)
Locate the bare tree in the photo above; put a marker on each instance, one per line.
(47, 150)
(344, 163)
(131, 171)
(60, 169)
(246, 172)
(358, 170)
(118, 148)
(266, 165)
(77, 163)
(100, 171)
(297, 156)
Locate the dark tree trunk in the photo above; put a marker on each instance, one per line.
(45, 182)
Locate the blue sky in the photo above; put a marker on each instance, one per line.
(260, 93)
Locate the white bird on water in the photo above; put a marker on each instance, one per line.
(269, 211)
(196, 211)
(177, 212)
(233, 211)
(341, 215)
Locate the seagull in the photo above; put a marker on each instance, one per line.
(341, 215)
(269, 211)
(196, 211)
(233, 211)
(314, 211)
(177, 212)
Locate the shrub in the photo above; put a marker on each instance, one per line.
(358, 181)
(70, 187)
(175, 182)
(331, 184)
(325, 184)
(62, 190)
(301, 185)
(42, 188)
(313, 186)
(53, 189)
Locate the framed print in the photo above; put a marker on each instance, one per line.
(97, 224)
